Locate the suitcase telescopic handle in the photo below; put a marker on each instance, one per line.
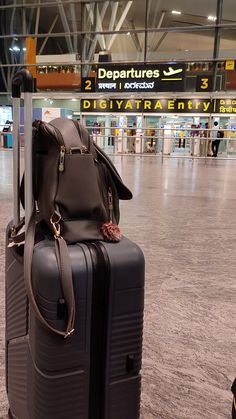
(23, 78)
(22, 81)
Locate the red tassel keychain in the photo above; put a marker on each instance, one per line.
(111, 232)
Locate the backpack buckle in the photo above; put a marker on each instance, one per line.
(68, 334)
(55, 220)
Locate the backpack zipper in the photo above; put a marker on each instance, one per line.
(82, 150)
(110, 203)
(73, 150)
(61, 166)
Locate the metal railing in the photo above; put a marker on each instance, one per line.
(165, 142)
(171, 141)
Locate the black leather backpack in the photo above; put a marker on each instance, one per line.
(76, 186)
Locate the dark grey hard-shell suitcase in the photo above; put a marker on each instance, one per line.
(95, 374)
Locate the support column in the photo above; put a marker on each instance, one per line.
(30, 45)
(217, 41)
(146, 32)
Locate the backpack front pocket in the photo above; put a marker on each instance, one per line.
(78, 194)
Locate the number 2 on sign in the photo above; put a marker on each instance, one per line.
(204, 83)
(88, 85)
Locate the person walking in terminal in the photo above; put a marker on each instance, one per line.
(133, 138)
(208, 140)
(215, 140)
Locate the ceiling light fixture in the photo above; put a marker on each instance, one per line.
(128, 33)
(175, 12)
(16, 48)
(212, 18)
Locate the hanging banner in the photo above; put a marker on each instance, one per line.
(146, 105)
(141, 78)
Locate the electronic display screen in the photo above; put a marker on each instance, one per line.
(5, 115)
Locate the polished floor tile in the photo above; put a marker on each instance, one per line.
(183, 217)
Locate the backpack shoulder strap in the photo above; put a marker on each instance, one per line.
(65, 277)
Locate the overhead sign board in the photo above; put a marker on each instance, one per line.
(141, 78)
(230, 65)
(224, 106)
(146, 105)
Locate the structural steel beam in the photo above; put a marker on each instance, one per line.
(74, 26)
(50, 30)
(24, 17)
(120, 23)
(157, 4)
(155, 43)
(98, 27)
(160, 41)
(97, 38)
(100, 18)
(146, 32)
(194, 28)
(37, 23)
(12, 20)
(65, 25)
(84, 44)
(114, 8)
(134, 36)
(87, 50)
(43, 4)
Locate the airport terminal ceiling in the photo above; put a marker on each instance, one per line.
(50, 17)
(129, 31)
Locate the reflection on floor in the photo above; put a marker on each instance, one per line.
(183, 217)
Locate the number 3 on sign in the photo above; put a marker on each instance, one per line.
(204, 83)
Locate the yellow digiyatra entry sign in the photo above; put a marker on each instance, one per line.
(147, 105)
